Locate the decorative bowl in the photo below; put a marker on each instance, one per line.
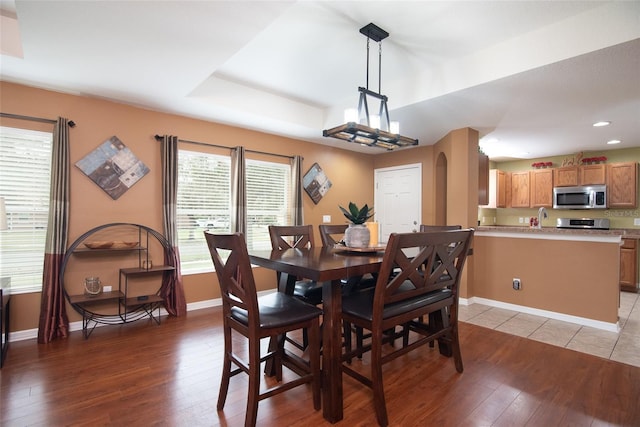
(98, 244)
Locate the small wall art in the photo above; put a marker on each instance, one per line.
(316, 183)
(113, 167)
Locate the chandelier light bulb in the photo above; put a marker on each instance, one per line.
(351, 115)
(374, 121)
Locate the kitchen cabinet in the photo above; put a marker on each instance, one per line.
(629, 265)
(520, 195)
(593, 174)
(565, 176)
(483, 179)
(541, 183)
(497, 189)
(571, 176)
(622, 185)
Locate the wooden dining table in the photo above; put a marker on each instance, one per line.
(328, 266)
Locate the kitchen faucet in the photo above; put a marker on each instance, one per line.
(542, 213)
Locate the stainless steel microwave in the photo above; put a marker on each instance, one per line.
(583, 197)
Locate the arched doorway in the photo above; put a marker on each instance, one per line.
(441, 189)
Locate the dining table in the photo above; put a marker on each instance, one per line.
(326, 265)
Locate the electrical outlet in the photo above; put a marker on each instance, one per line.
(106, 289)
(517, 285)
(521, 220)
(326, 219)
(636, 221)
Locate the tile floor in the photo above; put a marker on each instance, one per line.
(622, 347)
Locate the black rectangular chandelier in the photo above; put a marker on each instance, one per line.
(363, 128)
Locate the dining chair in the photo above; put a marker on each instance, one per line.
(309, 291)
(256, 318)
(333, 234)
(424, 283)
(424, 228)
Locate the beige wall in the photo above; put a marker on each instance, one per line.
(97, 120)
(577, 278)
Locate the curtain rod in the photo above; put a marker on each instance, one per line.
(33, 119)
(159, 138)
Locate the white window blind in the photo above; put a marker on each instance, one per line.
(25, 172)
(204, 203)
(268, 200)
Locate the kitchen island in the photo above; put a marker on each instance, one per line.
(566, 274)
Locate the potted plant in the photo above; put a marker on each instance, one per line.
(357, 235)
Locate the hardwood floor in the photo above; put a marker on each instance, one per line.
(168, 375)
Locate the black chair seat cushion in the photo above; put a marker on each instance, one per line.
(277, 309)
(360, 304)
(309, 291)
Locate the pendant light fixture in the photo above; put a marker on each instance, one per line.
(364, 128)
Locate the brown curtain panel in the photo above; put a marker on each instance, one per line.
(53, 315)
(172, 290)
(238, 190)
(296, 190)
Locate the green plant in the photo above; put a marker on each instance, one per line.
(357, 215)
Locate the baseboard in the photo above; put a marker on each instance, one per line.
(28, 334)
(583, 321)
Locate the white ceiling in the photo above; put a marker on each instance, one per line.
(533, 74)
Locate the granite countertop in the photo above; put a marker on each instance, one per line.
(626, 233)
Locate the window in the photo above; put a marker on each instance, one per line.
(268, 195)
(25, 171)
(204, 188)
(204, 203)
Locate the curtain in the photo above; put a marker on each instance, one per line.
(296, 190)
(172, 290)
(238, 190)
(53, 321)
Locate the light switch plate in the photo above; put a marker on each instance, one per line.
(636, 221)
(326, 218)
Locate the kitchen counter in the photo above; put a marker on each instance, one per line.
(566, 274)
(553, 233)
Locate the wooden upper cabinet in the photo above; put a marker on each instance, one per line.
(541, 184)
(570, 176)
(520, 189)
(593, 174)
(483, 179)
(622, 185)
(497, 194)
(566, 176)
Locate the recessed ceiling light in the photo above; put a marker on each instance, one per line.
(600, 124)
(614, 141)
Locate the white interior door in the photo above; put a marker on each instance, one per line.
(398, 199)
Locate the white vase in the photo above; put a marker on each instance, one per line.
(357, 236)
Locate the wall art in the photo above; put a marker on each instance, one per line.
(113, 167)
(316, 183)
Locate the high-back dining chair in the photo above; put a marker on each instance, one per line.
(426, 228)
(256, 318)
(420, 323)
(424, 283)
(309, 291)
(332, 234)
(297, 236)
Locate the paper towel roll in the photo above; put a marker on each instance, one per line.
(373, 232)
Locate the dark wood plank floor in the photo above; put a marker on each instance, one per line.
(144, 374)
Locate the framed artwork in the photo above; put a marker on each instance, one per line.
(113, 167)
(316, 183)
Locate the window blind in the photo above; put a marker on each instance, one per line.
(204, 203)
(25, 171)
